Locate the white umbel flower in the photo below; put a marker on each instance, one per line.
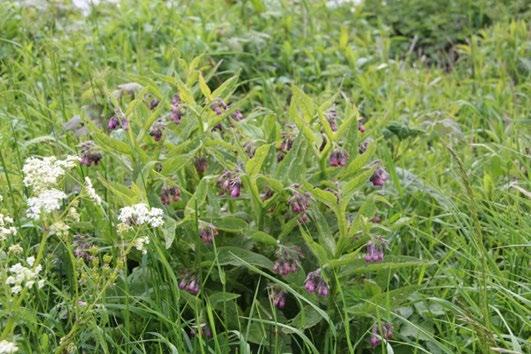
(24, 277)
(91, 191)
(47, 201)
(6, 227)
(140, 244)
(43, 173)
(7, 347)
(141, 214)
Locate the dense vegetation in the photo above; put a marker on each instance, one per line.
(265, 176)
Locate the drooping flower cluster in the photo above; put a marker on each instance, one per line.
(277, 297)
(315, 283)
(201, 165)
(170, 195)
(386, 333)
(90, 155)
(91, 191)
(338, 158)
(375, 250)
(141, 214)
(219, 106)
(6, 227)
(117, 121)
(299, 203)
(190, 284)
(24, 277)
(379, 177)
(82, 248)
(157, 129)
(229, 182)
(331, 117)
(7, 347)
(207, 233)
(204, 329)
(176, 111)
(47, 201)
(285, 145)
(364, 145)
(288, 260)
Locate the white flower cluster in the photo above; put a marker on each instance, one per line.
(91, 191)
(7, 347)
(6, 227)
(24, 277)
(141, 214)
(42, 175)
(140, 244)
(48, 201)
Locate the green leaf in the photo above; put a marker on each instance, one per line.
(359, 266)
(392, 298)
(232, 255)
(230, 224)
(227, 86)
(262, 237)
(254, 165)
(169, 231)
(359, 162)
(174, 164)
(198, 197)
(318, 250)
(306, 318)
(222, 297)
(325, 197)
(205, 90)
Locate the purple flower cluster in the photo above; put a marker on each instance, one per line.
(190, 284)
(176, 110)
(338, 158)
(299, 204)
(314, 283)
(361, 127)
(277, 297)
(288, 259)
(90, 155)
(169, 195)
(157, 129)
(285, 145)
(201, 164)
(379, 177)
(237, 115)
(331, 117)
(204, 330)
(364, 145)
(375, 250)
(386, 333)
(229, 182)
(207, 233)
(116, 122)
(82, 248)
(153, 103)
(219, 106)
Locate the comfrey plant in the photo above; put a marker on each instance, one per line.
(207, 200)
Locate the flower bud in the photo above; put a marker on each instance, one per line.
(338, 158)
(379, 177)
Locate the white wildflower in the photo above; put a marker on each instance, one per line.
(7, 347)
(91, 191)
(47, 201)
(59, 228)
(6, 227)
(43, 173)
(24, 277)
(141, 214)
(140, 244)
(15, 249)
